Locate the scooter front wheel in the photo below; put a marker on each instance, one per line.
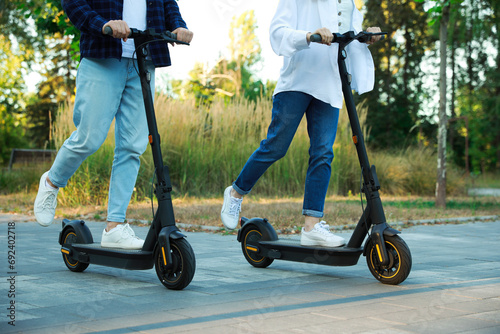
(178, 274)
(249, 245)
(70, 237)
(399, 265)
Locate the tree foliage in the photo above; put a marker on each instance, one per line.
(232, 76)
(34, 33)
(395, 103)
(11, 102)
(402, 108)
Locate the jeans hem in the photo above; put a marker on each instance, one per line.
(239, 190)
(312, 213)
(120, 220)
(54, 182)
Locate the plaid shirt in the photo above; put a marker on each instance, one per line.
(89, 16)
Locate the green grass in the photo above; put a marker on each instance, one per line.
(206, 148)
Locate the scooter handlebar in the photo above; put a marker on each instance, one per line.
(167, 36)
(362, 37)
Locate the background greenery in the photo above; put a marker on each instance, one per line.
(213, 121)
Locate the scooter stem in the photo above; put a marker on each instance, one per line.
(165, 214)
(374, 212)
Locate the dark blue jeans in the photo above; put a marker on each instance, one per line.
(322, 120)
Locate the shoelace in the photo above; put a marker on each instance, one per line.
(48, 202)
(128, 230)
(324, 225)
(235, 206)
(323, 228)
(323, 231)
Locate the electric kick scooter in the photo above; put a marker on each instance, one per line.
(388, 257)
(165, 247)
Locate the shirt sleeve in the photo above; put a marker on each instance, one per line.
(83, 16)
(285, 39)
(173, 18)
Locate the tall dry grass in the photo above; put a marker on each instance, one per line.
(206, 147)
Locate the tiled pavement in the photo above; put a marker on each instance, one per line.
(454, 287)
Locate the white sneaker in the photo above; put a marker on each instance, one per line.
(231, 208)
(45, 203)
(320, 235)
(122, 236)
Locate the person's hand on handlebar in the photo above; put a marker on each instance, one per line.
(325, 33)
(183, 35)
(375, 38)
(120, 29)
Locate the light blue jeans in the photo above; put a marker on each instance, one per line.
(322, 121)
(107, 89)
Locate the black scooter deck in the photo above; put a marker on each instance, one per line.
(112, 257)
(292, 250)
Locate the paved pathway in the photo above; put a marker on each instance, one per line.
(454, 287)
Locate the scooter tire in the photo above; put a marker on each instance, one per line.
(400, 262)
(70, 237)
(249, 246)
(183, 267)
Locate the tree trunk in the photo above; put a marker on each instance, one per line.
(453, 85)
(443, 120)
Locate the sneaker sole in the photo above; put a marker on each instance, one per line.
(315, 244)
(119, 247)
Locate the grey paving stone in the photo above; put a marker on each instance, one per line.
(454, 287)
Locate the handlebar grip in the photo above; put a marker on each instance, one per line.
(109, 31)
(315, 38)
(171, 34)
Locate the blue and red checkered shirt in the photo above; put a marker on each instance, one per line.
(89, 16)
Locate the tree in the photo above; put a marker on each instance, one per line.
(480, 88)
(394, 105)
(443, 119)
(11, 92)
(32, 30)
(440, 12)
(232, 76)
(57, 88)
(245, 52)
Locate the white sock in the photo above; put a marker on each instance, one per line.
(47, 185)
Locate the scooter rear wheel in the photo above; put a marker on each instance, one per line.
(249, 245)
(179, 274)
(399, 265)
(70, 237)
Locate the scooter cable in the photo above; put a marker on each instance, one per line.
(140, 46)
(362, 206)
(152, 191)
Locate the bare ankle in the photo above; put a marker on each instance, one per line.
(235, 194)
(111, 225)
(310, 222)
